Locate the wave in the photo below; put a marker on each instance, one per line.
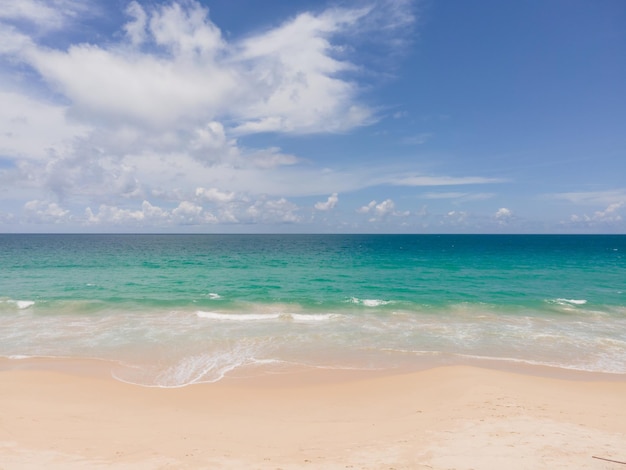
(238, 316)
(196, 369)
(311, 317)
(568, 301)
(243, 317)
(20, 304)
(368, 302)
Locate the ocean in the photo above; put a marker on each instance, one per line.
(174, 310)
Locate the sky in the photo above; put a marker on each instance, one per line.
(363, 116)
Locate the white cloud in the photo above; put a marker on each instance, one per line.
(215, 195)
(381, 210)
(33, 129)
(45, 212)
(367, 209)
(113, 215)
(384, 208)
(156, 111)
(611, 201)
(189, 213)
(593, 197)
(503, 215)
(136, 28)
(610, 214)
(273, 211)
(329, 204)
(456, 217)
(49, 15)
(286, 79)
(186, 213)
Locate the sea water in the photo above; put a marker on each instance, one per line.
(172, 310)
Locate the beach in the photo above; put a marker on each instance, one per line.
(63, 414)
(312, 351)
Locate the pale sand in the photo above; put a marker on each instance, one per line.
(456, 417)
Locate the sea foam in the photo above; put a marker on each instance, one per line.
(243, 317)
(570, 301)
(238, 316)
(369, 302)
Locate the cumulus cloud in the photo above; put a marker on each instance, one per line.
(145, 127)
(329, 204)
(611, 201)
(287, 79)
(503, 216)
(456, 217)
(611, 214)
(381, 210)
(215, 195)
(45, 212)
(186, 213)
(35, 129)
(503, 213)
(273, 211)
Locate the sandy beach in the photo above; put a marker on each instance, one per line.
(456, 417)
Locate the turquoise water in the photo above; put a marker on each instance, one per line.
(171, 310)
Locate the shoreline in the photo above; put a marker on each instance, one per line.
(456, 416)
(105, 368)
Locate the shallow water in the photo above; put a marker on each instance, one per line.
(181, 309)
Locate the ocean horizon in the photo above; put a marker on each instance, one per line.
(171, 310)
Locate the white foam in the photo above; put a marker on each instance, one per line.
(214, 296)
(24, 304)
(238, 316)
(201, 368)
(571, 301)
(303, 317)
(600, 367)
(369, 302)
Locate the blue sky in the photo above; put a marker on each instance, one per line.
(440, 116)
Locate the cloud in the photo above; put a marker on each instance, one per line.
(146, 126)
(329, 204)
(611, 202)
(215, 195)
(503, 213)
(33, 129)
(175, 64)
(186, 213)
(273, 211)
(503, 216)
(49, 15)
(456, 217)
(45, 212)
(593, 197)
(381, 210)
(611, 214)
